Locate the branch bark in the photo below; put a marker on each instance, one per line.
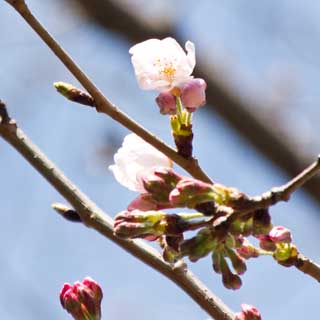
(93, 217)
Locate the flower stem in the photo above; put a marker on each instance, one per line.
(179, 109)
(190, 216)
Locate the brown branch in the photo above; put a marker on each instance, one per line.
(307, 266)
(94, 217)
(103, 105)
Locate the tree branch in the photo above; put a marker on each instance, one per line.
(103, 105)
(307, 266)
(94, 217)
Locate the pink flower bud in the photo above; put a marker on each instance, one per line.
(167, 103)
(82, 299)
(280, 234)
(248, 313)
(190, 192)
(193, 94)
(247, 250)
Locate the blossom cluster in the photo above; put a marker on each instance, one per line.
(161, 187)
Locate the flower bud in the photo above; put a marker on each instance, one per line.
(74, 94)
(147, 224)
(200, 245)
(280, 234)
(266, 243)
(247, 250)
(190, 192)
(167, 103)
(82, 300)
(238, 263)
(193, 94)
(160, 183)
(248, 313)
(230, 280)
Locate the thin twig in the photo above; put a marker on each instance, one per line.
(103, 105)
(94, 217)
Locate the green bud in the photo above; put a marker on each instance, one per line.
(74, 94)
(199, 246)
(238, 263)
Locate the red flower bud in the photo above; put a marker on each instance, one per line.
(82, 300)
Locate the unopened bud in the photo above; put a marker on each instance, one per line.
(160, 183)
(74, 94)
(230, 280)
(200, 245)
(66, 212)
(82, 300)
(147, 224)
(247, 250)
(280, 234)
(238, 263)
(167, 103)
(193, 94)
(191, 192)
(266, 243)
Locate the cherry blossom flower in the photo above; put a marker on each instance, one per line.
(135, 159)
(162, 64)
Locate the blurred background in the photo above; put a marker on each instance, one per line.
(260, 127)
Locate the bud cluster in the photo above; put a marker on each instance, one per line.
(224, 239)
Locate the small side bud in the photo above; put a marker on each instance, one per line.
(66, 212)
(193, 94)
(74, 94)
(167, 103)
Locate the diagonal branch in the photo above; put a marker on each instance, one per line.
(94, 217)
(103, 105)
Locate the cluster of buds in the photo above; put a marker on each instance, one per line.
(248, 312)
(82, 299)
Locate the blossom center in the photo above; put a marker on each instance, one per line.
(166, 69)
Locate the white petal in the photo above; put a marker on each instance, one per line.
(134, 159)
(191, 54)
